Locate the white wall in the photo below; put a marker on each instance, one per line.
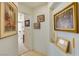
(24, 9)
(41, 36)
(8, 45)
(53, 50)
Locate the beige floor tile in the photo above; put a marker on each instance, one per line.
(32, 53)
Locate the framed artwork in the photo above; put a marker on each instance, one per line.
(41, 18)
(63, 44)
(27, 23)
(37, 25)
(67, 19)
(8, 22)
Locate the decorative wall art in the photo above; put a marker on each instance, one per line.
(41, 18)
(67, 19)
(63, 44)
(37, 25)
(27, 23)
(8, 22)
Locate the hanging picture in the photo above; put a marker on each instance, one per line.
(67, 19)
(27, 23)
(41, 18)
(8, 19)
(63, 44)
(37, 25)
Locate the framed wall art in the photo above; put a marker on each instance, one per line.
(63, 44)
(37, 25)
(41, 18)
(67, 19)
(8, 22)
(27, 23)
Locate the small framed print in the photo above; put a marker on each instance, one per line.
(27, 23)
(63, 44)
(41, 18)
(37, 25)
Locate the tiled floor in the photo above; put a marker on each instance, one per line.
(32, 53)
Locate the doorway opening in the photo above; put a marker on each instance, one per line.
(22, 35)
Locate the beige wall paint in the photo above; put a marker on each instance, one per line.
(9, 45)
(27, 37)
(28, 34)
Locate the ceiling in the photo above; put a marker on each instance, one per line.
(33, 4)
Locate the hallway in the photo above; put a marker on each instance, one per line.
(31, 37)
(42, 36)
(39, 29)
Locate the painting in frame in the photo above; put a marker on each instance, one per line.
(67, 19)
(37, 25)
(8, 22)
(63, 44)
(41, 18)
(27, 23)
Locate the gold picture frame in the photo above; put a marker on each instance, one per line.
(37, 25)
(41, 18)
(8, 20)
(63, 44)
(27, 23)
(67, 19)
